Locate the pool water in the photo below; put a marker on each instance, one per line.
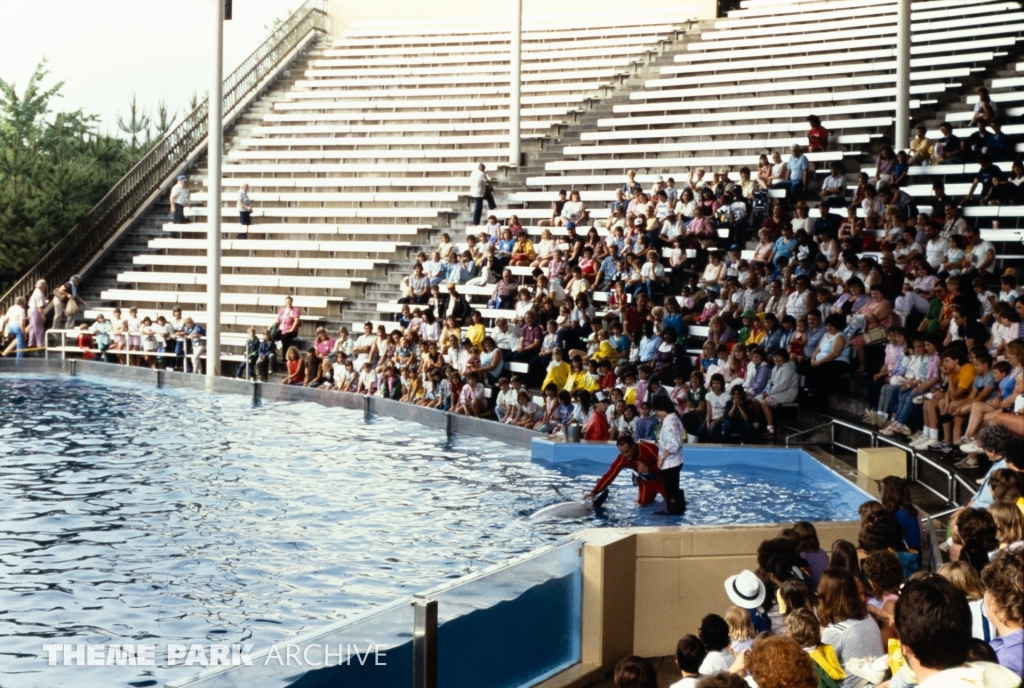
(131, 514)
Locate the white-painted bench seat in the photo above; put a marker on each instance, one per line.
(274, 263)
(365, 154)
(851, 58)
(324, 68)
(796, 114)
(563, 48)
(235, 183)
(685, 163)
(795, 73)
(394, 213)
(242, 280)
(738, 130)
(272, 245)
(226, 297)
(362, 167)
(448, 104)
(807, 84)
(333, 81)
(303, 228)
(527, 113)
(764, 103)
(748, 53)
(342, 197)
(269, 141)
(424, 127)
(720, 144)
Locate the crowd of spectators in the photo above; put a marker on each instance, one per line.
(868, 613)
(664, 299)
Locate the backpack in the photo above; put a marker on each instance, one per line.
(760, 207)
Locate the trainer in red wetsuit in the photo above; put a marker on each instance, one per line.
(639, 457)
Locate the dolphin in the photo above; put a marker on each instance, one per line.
(568, 509)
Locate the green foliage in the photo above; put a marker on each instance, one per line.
(53, 169)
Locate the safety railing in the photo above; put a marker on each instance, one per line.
(953, 482)
(102, 222)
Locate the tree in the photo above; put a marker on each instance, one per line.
(136, 126)
(164, 119)
(53, 169)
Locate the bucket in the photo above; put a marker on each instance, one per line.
(572, 433)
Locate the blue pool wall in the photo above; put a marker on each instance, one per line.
(601, 454)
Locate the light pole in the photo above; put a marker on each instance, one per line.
(902, 74)
(215, 151)
(516, 98)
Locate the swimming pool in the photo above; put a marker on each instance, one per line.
(131, 513)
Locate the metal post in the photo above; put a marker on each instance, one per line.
(902, 75)
(424, 644)
(515, 101)
(215, 151)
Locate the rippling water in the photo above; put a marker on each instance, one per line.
(131, 514)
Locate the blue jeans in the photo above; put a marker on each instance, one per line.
(19, 338)
(905, 409)
(730, 426)
(478, 209)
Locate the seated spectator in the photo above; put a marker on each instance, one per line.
(635, 672)
(690, 655)
(934, 621)
(847, 626)
(1004, 606)
(714, 635)
(779, 662)
(803, 627)
(921, 147)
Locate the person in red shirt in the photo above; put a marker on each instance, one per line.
(642, 459)
(596, 428)
(634, 316)
(817, 136)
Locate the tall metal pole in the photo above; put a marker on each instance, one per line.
(902, 75)
(215, 152)
(516, 100)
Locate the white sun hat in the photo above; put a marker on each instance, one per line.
(745, 590)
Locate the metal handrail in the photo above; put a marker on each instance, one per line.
(79, 245)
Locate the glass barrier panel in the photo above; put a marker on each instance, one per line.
(512, 626)
(373, 651)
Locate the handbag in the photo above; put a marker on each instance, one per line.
(70, 307)
(875, 335)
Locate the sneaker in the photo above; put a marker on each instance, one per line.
(919, 399)
(965, 440)
(904, 430)
(868, 418)
(941, 447)
(970, 448)
(889, 430)
(921, 442)
(916, 436)
(969, 462)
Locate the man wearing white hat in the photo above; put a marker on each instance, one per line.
(180, 200)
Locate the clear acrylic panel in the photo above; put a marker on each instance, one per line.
(373, 650)
(514, 625)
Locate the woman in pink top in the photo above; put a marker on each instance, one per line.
(288, 321)
(324, 344)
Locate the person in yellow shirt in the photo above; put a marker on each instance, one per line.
(476, 330)
(921, 147)
(558, 370)
(579, 378)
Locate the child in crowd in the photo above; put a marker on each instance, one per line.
(803, 627)
(528, 411)
(690, 655)
(741, 630)
(646, 425)
(505, 401)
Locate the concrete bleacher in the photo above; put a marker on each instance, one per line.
(365, 150)
(361, 157)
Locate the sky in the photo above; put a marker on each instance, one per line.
(106, 50)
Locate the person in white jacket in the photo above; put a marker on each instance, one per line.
(782, 388)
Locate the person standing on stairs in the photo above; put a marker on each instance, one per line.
(180, 200)
(480, 190)
(244, 211)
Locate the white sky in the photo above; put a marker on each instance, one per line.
(104, 50)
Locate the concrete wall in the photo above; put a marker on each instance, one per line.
(373, 406)
(644, 588)
(342, 14)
